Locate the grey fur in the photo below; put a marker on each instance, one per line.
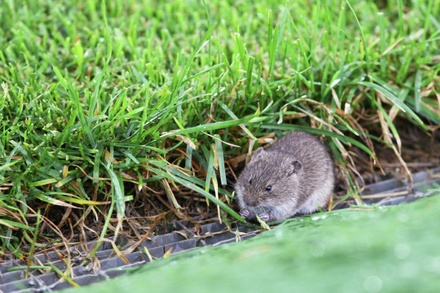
(293, 175)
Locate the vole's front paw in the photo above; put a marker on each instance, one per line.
(245, 213)
(264, 216)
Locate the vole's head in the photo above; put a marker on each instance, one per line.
(269, 180)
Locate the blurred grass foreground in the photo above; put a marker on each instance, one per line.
(128, 113)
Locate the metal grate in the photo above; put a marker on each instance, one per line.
(185, 237)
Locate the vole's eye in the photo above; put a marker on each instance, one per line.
(250, 181)
(269, 188)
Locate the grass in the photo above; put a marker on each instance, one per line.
(106, 106)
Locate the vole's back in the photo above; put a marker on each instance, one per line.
(317, 175)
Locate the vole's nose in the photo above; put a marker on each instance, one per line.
(252, 200)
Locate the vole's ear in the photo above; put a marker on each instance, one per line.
(258, 155)
(294, 167)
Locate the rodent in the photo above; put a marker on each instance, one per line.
(294, 175)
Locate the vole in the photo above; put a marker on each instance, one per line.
(294, 175)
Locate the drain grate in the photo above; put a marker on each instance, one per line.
(186, 237)
(394, 192)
